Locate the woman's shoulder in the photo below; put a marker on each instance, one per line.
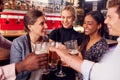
(102, 44)
(55, 31)
(102, 41)
(20, 38)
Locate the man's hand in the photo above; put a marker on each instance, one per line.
(32, 62)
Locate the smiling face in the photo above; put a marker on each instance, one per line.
(90, 25)
(67, 19)
(39, 27)
(113, 21)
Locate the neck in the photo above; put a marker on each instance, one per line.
(70, 28)
(35, 38)
(95, 37)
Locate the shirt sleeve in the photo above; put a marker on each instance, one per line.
(86, 69)
(4, 43)
(8, 72)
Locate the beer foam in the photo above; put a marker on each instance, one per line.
(74, 51)
(41, 52)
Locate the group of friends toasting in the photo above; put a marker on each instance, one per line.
(90, 45)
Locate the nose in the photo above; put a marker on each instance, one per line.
(45, 26)
(106, 20)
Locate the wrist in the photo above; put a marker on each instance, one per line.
(19, 67)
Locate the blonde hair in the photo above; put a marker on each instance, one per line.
(71, 9)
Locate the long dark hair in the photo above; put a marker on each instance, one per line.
(99, 18)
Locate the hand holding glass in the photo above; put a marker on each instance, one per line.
(60, 73)
(42, 49)
(53, 58)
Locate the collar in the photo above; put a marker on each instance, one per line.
(67, 28)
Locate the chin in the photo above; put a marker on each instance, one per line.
(113, 34)
(44, 34)
(67, 27)
(86, 33)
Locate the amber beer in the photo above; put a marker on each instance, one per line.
(42, 52)
(53, 59)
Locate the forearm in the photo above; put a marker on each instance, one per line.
(20, 67)
(79, 65)
(4, 43)
(73, 61)
(76, 63)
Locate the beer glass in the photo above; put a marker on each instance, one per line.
(72, 47)
(60, 73)
(42, 49)
(53, 58)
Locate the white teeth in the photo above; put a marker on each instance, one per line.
(65, 24)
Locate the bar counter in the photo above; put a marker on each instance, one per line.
(12, 33)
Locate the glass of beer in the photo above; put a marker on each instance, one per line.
(72, 47)
(42, 49)
(53, 58)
